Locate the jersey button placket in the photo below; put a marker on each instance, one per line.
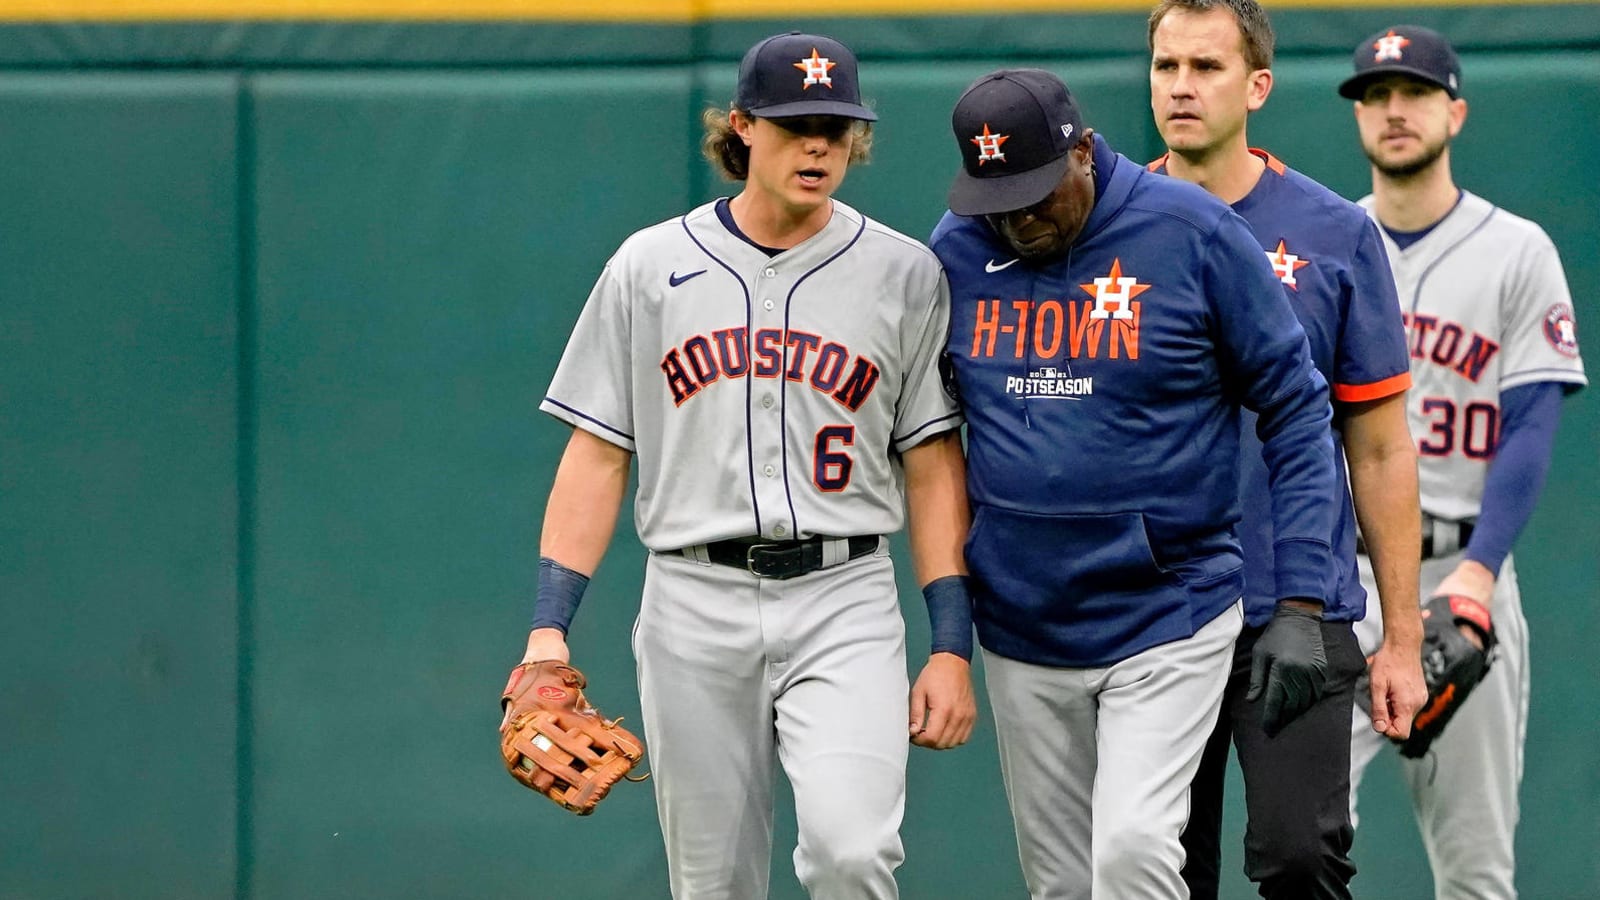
(768, 438)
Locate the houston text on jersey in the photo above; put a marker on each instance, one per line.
(1448, 344)
(797, 355)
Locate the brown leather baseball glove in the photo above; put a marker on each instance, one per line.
(554, 742)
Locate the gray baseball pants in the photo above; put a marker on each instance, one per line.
(1098, 763)
(739, 673)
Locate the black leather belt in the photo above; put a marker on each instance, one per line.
(782, 559)
(1440, 537)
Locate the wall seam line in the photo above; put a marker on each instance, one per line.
(247, 435)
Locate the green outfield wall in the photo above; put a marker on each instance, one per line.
(278, 301)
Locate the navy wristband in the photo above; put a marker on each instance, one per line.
(560, 591)
(950, 615)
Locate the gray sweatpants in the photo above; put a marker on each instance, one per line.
(1098, 763)
(1464, 791)
(737, 673)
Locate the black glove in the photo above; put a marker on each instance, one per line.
(1451, 664)
(1288, 666)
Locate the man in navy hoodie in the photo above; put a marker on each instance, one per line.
(1107, 326)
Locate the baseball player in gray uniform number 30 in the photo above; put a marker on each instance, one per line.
(773, 363)
(1494, 348)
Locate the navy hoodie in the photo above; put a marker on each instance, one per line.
(1102, 393)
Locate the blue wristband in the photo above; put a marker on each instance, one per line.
(950, 615)
(560, 591)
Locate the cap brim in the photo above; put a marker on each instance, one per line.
(816, 108)
(971, 196)
(1355, 86)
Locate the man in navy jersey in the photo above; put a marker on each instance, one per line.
(1106, 326)
(1211, 66)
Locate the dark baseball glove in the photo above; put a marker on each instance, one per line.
(554, 742)
(1451, 665)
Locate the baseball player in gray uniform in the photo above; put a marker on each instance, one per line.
(1493, 350)
(772, 362)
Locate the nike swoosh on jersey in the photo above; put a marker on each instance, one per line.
(675, 279)
(991, 267)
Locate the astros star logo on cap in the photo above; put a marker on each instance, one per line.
(1389, 46)
(989, 145)
(816, 68)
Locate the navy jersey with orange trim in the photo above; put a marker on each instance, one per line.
(1102, 397)
(1330, 258)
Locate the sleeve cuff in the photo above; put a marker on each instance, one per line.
(1303, 567)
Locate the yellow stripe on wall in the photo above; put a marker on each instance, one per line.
(594, 10)
(387, 10)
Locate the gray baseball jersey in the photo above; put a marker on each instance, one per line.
(767, 396)
(761, 396)
(1487, 308)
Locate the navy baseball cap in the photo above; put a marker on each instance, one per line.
(1411, 50)
(1014, 128)
(798, 74)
